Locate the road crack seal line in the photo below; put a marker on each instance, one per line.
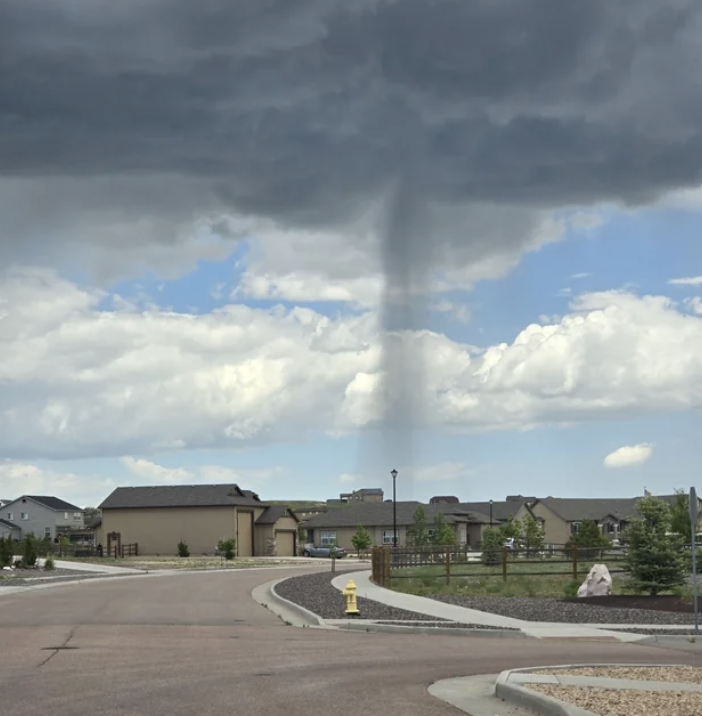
(55, 649)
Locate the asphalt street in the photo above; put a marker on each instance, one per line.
(199, 644)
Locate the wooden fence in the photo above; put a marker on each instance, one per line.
(390, 563)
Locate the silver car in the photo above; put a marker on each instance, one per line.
(313, 551)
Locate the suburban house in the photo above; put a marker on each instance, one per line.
(42, 516)
(338, 526)
(561, 517)
(158, 518)
(364, 494)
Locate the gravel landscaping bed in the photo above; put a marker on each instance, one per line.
(675, 674)
(610, 702)
(537, 609)
(12, 575)
(447, 625)
(73, 577)
(316, 593)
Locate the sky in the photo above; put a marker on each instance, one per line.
(295, 246)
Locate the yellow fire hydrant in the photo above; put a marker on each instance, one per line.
(350, 594)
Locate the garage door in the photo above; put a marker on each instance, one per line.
(245, 536)
(285, 544)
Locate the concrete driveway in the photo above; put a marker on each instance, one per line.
(198, 644)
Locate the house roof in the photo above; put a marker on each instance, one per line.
(501, 511)
(11, 525)
(181, 496)
(53, 503)
(380, 514)
(573, 509)
(273, 513)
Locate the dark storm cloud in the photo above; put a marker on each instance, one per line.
(302, 110)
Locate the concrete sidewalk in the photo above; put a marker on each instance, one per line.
(434, 608)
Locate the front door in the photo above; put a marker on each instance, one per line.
(245, 522)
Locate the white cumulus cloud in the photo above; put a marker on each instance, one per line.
(629, 455)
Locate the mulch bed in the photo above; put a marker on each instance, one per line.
(316, 593)
(663, 603)
(570, 611)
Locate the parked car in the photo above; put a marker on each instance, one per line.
(314, 551)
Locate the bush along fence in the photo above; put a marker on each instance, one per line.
(439, 562)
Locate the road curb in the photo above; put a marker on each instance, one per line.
(288, 611)
(443, 631)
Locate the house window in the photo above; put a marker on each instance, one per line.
(610, 528)
(463, 535)
(77, 516)
(65, 515)
(10, 516)
(387, 537)
(328, 539)
(24, 515)
(575, 527)
(47, 531)
(430, 533)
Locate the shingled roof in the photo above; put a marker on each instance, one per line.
(181, 496)
(273, 513)
(11, 525)
(53, 503)
(376, 514)
(574, 509)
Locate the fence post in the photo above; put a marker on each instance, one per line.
(136, 549)
(575, 563)
(448, 565)
(504, 563)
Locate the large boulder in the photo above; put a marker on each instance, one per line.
(598, 582)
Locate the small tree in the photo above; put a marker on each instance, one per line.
(183, 550)
(227, 547)
(512, 529)
(492, 547)
(418, 533)
(532, 534)
(444, 533)
(361, 540)
(655, 560)
(680, 516)
(588, 539)
(29, 551)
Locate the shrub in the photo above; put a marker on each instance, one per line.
(571, 589)
(227, 547)
(49, 563)
(44, 547)
(183, 550)
(362, 540)
(655, 561)
(492, 547)
(29, 551)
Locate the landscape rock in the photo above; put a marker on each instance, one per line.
(598, 582)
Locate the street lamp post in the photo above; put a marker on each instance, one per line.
(490, 514)
(394, 508)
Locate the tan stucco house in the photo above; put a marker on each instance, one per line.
(158, 518)
(561, 516)
(338, 526)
